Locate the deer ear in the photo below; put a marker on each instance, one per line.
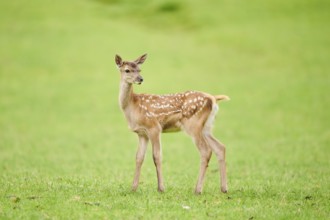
(141, 59)
(119, 61)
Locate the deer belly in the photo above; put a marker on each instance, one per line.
(171, 129)
(171, 124)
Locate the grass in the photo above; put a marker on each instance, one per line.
(66, 152)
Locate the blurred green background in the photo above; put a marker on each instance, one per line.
(66, 151)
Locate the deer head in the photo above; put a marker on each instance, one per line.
(129, 70)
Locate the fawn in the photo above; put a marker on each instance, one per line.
(150, 115)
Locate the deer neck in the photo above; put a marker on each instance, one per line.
(125, 94)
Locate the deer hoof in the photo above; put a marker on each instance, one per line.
(224, 189)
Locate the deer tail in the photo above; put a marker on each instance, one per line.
(221, 97)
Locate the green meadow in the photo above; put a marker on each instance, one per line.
(65, 148)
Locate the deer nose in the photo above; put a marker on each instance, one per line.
(138, 80)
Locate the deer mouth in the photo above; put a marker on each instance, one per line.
(138, 81)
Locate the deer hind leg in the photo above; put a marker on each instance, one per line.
(194, 127)
(157, 157)
(205, 155)
(220, 151)
(140, 155)
(217, 147)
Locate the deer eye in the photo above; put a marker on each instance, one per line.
(127, 71)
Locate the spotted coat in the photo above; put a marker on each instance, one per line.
(179, 106)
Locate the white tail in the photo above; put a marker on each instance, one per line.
(150, 115)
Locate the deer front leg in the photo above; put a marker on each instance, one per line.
(157, 156)
(140, 154)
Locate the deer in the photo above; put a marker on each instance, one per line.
(150, 115)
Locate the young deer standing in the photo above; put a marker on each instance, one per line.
(150, 115)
